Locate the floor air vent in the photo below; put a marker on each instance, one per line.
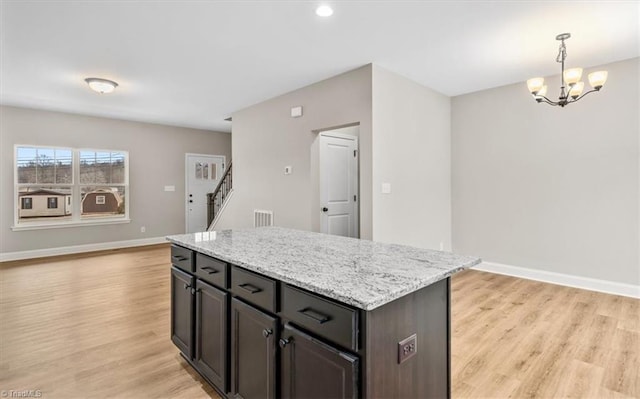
(262, 218)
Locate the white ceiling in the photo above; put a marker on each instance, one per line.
(193, 63)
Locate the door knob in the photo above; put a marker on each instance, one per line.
(325, 209)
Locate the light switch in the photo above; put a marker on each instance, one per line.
(296, 112)
(386, 188)
(288, 170)
(169, 188)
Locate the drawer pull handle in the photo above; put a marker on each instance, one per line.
(317, 316)
(178, 258)
(250, 288)
(209, 270)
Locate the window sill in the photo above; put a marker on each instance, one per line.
(62, 225)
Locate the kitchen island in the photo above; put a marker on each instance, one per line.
(273, 312)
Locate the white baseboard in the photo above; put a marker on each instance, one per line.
(609, 287)
(74, 249)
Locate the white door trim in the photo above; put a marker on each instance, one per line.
(330, 133)
(186, 181)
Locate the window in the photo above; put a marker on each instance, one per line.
(62, 186)
(26, 203)
(102, 183)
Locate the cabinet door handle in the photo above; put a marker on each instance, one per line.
(284, 341)
(178, 258)
(252, 289)
(313, 315)
(266, 333)
(187, 286)
(209, 270)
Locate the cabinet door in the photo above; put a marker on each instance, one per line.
(253, 356)
(313, 369)
(211, 333)
(182, 311)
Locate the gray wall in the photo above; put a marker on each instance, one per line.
(156, 159)
(412, 152)
(266, 139)
(549, 188)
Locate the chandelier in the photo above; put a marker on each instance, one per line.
(572, 87)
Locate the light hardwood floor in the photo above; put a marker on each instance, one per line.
(94, 326)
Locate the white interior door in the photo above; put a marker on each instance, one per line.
(203, 172)
(339, 184)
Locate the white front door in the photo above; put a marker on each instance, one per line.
(203, 172)
(339, 184)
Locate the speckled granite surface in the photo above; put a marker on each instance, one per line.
(361, 273)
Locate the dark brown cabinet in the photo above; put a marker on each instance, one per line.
(314, 369)
(211, 333)
(253, 352)
(199, 320)
(182, 311)
(182, 258)
(253, 336)
(329, 320)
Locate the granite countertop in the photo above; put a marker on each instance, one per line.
(361, 273)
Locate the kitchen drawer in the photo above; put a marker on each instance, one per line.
(212, 270)
(254, 288)
(323, 317)
(182, 258)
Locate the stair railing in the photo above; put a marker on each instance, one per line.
(215, 200)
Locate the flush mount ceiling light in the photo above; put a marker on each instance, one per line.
(101, 85)
(572, 87)
(324, 11)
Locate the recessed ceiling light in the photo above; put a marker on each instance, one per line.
(324, 11)
(101, 85)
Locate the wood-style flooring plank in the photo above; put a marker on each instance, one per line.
(548, 341)
(97, 325)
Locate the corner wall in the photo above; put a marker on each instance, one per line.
(266, 139)
(412, 152)
(548, 188)
(156, 159)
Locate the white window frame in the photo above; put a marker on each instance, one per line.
(76, 217)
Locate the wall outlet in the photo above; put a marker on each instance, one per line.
(407, 348)
(169, 188)
(143, 229)
(386, 188)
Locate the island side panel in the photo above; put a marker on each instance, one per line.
(427, 373)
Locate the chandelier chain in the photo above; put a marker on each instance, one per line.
(562, 52)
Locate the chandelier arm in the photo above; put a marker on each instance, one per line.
(546, 100)
(584, 94)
